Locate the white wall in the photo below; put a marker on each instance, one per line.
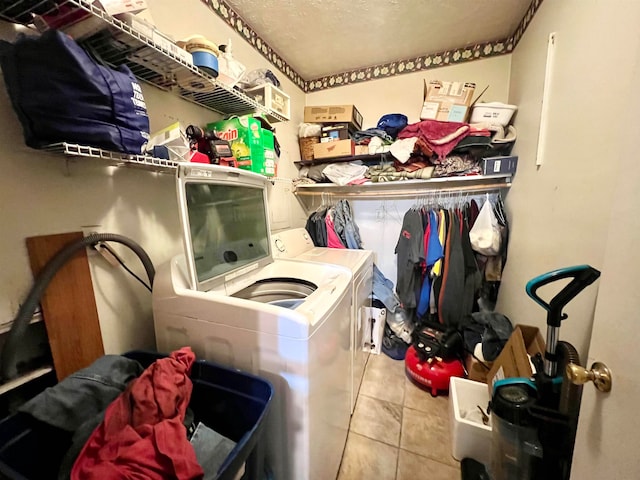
(380, 221)
(560, 212)
(46, 194)
(404, 93)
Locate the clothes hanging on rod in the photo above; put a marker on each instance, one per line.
(440, 277)
(410, 252)
(494, 266)
(333, 239)
(317, 228)
(334, 226)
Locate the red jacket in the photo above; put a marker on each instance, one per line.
(142, 435)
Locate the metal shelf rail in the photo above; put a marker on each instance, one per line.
(155, 62)
(407, 188)
(116, 158)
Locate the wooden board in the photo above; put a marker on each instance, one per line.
(68, 305)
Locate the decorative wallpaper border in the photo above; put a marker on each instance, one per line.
(235, 21)
(411, 65)
(515, 37)
(399, 67)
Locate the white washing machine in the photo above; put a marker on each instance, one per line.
(233, 303)
(297, 244)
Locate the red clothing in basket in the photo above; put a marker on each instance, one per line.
(142, 435)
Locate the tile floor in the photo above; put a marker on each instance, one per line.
(398, 431)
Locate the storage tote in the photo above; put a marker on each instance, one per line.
(493, 112)
(233, 403)
(470, 438)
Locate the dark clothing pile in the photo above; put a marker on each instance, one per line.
(128, 422)
(142, 434)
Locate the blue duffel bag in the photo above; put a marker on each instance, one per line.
(61, 94)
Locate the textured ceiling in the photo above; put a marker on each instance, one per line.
(322, 37)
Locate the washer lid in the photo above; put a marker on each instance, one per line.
(225, 223)
(353, 259)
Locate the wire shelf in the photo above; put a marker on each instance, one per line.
(408, 188)
(24, 379)
(156, 61)
(115, 158)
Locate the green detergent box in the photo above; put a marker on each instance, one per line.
(248, 142)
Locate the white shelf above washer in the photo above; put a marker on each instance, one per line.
(114, 158)
(119, 44)
(407, 188)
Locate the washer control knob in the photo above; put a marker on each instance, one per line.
(280, 245)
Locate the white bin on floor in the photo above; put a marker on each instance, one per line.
(469, 436)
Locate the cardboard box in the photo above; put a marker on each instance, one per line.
(339, 148)
(270, 162)
(248, 144)
(361, 150)
(268, 139)
(339, 131)
(513, 361)
(477, 372)
(447, 101)
(334, 114)
(498, 165)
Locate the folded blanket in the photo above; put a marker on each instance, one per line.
(440, 137)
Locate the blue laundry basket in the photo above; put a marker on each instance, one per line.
(233, 403)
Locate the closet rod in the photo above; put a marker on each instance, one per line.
(406, 193)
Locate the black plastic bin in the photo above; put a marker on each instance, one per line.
(233, 403)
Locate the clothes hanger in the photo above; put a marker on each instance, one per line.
(499, 211)
(323, 204)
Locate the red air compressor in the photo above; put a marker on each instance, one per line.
(434, 358)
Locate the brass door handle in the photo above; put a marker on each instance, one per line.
(599, 374)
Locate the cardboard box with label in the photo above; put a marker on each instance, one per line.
(447, 101)
(339, 148)
(248, 142)
(513, 361)
(339, 131)
(499, 165)
(334, 114)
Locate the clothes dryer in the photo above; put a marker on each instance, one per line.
(233, 303)
(296, 244)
